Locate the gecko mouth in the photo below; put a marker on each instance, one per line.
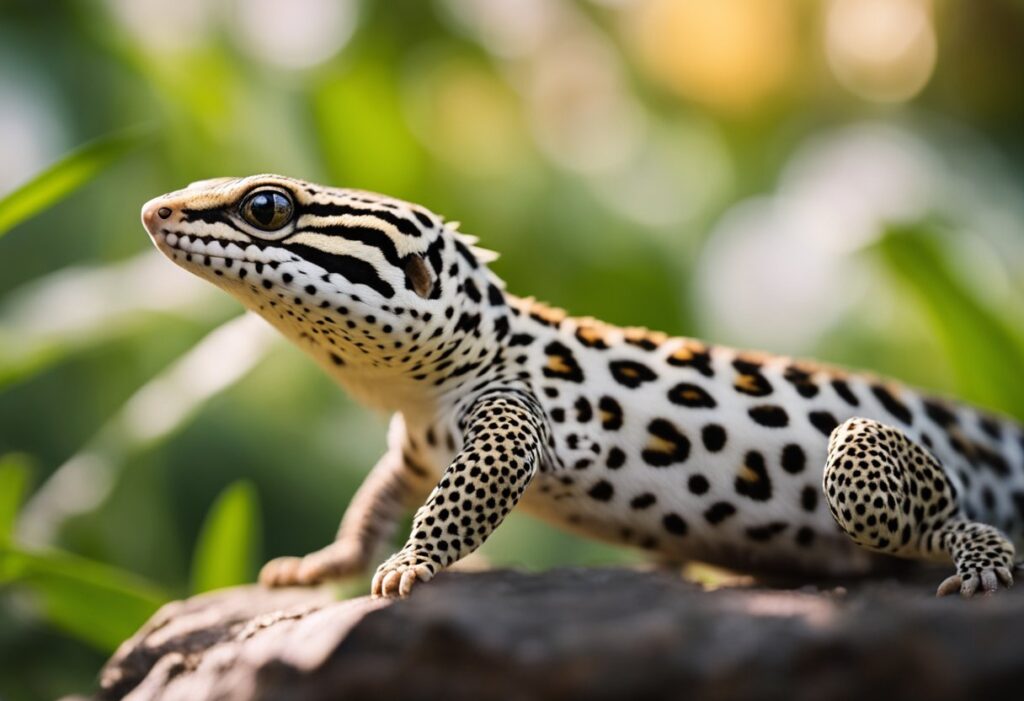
(178, 243)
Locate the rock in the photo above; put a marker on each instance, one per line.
(578, 634)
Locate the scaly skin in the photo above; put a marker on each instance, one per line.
(671, 445)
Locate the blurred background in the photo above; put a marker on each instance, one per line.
(841, 179)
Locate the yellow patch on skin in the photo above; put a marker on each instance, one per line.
(747, 383)
(606, 416)
(629, 372)
(538, 310)
(592, 333)
(689, 349)
(660, 445)
(748, 475)
(556, 363)
(756, 357)
(639, 334)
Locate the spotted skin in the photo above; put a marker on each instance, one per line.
(686, 450)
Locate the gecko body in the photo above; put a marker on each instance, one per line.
(672, 445)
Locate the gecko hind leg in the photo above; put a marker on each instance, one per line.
(891, 495)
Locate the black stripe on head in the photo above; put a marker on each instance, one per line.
(355, 270)
(326, 209)
(363, 234)
(215, 215)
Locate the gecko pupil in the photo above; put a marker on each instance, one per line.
(267, 209)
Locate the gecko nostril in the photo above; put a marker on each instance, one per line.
(164, 212)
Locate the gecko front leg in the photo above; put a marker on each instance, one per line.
(390, 490)
(503, 433)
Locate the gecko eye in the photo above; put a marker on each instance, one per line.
(267, 209)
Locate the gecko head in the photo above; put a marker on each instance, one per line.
(360, 276)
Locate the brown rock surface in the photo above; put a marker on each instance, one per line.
(578, 634)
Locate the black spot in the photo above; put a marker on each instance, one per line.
(993, 459)
(643, 501)
(267, 284)
(583, 411)
(809, 498)
(939, 413)
(713, 437)
(468, 322)
(602, 491)
(466, 254)
(749, 379)
(769, 415)
(470, 288)
(718, 512)
(631, 373)
(674, 524)
(823, 421)
(691, 395)
(698, 484)
(590, 338)
(991, 427)
(495, 296)
(611, 413)
(671, 447)
(336, 359)
(845, 393)
(562, 363)
(753, 481)
(642, 342)
(616, 459)
(892, 405)
(698, 359)
(793, 459)
(767, 531)
(521, 339)
(423, 219)
(804, 537)
(801, 381)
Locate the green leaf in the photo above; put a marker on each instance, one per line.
(96, 603)
(67, 175)
(982, 350)
(14, 473)
(226, 550)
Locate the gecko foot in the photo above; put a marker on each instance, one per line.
(986, 579)
(336, 561)
(396, 577)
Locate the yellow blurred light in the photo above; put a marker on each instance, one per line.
(466, 117)
(881, 50)
(729, 54)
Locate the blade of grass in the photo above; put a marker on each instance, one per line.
(14, 473)
(67, 175)
(156, 411)
(225, 552)
(96, 603)
(74, 309)
(982, 350)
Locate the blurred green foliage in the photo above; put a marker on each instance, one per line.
(64, 177)
(228, 543)
(606, 149)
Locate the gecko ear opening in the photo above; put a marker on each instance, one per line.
(419, 276)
